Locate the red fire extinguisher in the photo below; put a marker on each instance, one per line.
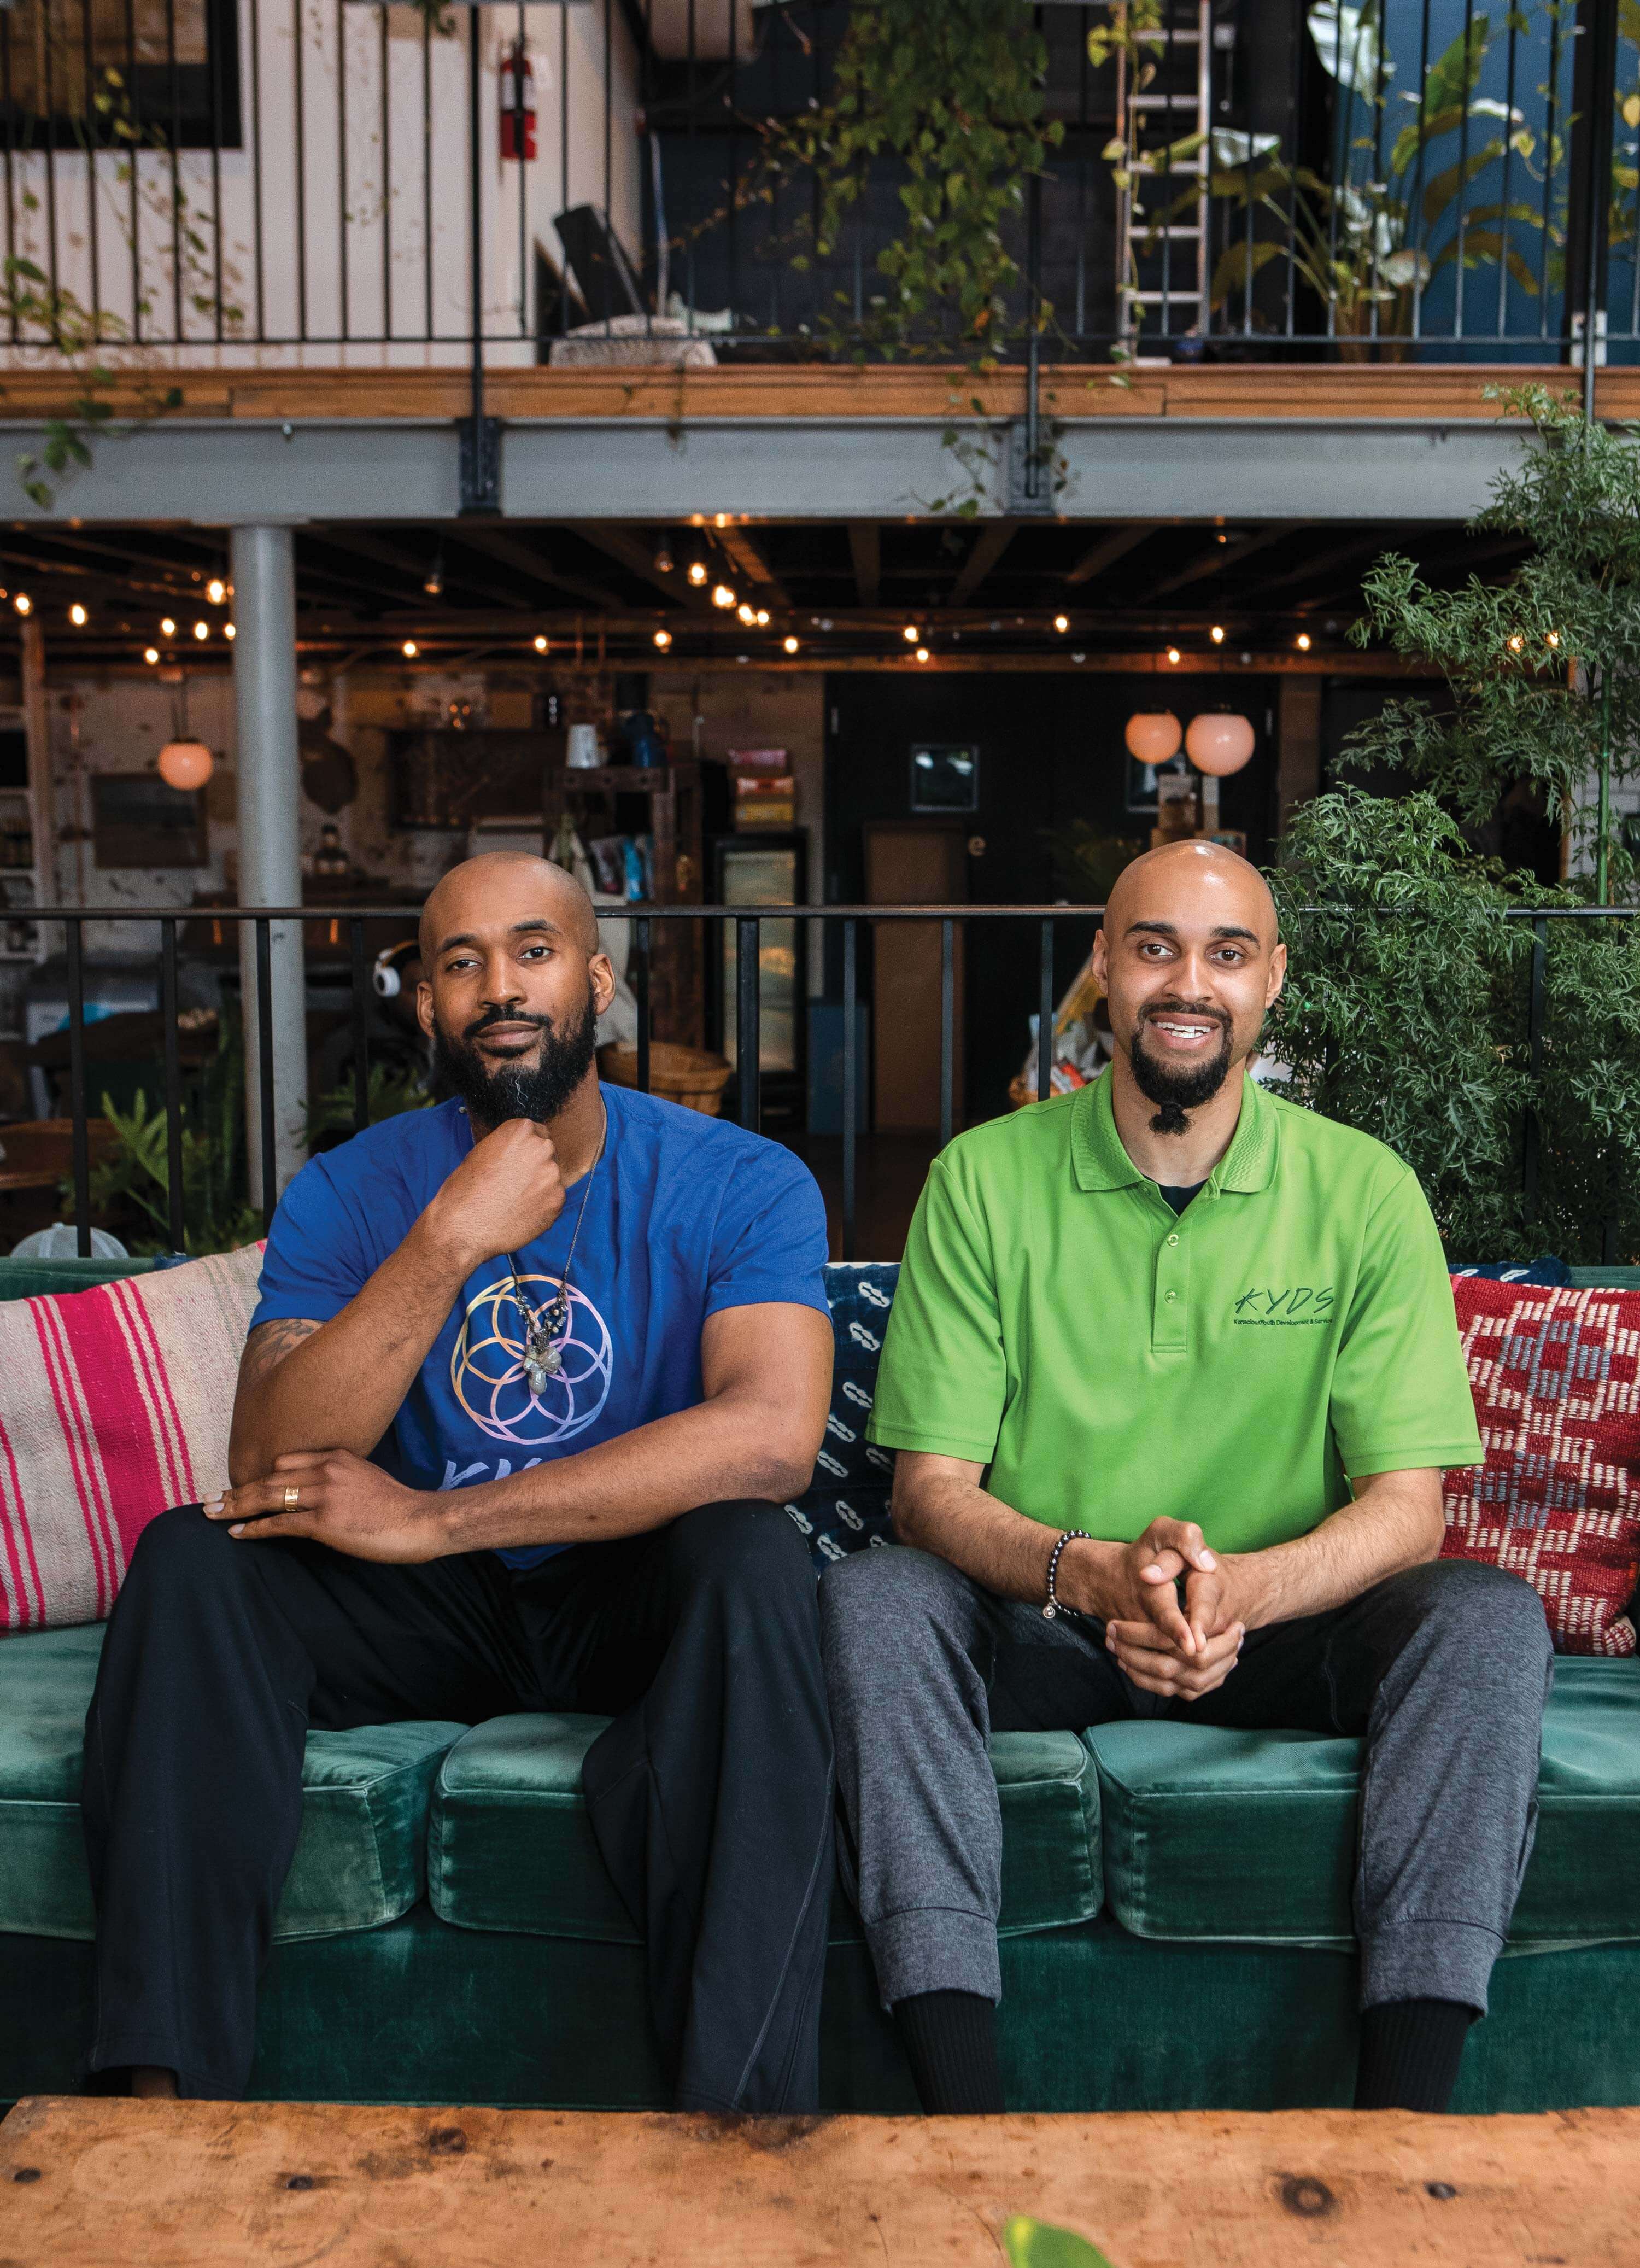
(518, 102)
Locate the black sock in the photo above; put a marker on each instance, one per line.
(950, 2040)
(1411, 2051)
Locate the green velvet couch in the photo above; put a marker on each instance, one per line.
(1176, 1917)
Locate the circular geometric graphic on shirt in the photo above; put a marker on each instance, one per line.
(487, 1369)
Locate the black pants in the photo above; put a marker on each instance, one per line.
(710, 1794)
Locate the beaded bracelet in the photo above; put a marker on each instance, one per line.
(1057, 1605)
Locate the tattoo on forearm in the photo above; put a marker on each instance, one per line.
(268, 1346)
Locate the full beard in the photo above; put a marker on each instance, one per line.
(538, 1089)
(1176, 1092)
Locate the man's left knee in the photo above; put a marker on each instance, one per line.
(744, 1546)
(1486, 1606)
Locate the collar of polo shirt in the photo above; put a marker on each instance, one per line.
(1099, 1161)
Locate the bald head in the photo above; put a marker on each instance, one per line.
(1190, 960)
(508, 886)
(1203, 881)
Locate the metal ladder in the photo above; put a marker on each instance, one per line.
(1164, 268)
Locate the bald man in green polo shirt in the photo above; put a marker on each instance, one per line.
(1172, 1371)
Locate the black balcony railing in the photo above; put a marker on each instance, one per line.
(1048, 922)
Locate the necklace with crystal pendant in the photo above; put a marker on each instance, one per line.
(546, 1329)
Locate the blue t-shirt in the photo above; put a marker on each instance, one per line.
(685, 1215)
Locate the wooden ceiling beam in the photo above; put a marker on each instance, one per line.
(509, 551)
(624, 548)
(989, 546)
(1220, 556)
(744, 549)
(866, 550)
(1110, 549)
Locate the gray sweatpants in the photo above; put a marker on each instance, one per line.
(1444, 1668)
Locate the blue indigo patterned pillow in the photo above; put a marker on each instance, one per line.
(1546, 1270)
(845, 1508)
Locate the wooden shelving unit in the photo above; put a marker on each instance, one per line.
(680, 804)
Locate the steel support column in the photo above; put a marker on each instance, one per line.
(270, 866)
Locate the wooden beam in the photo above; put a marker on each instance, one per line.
(989, 546)
(511, 551)
(1325, 563)
(866, 551)
(628, 552)
(1218, 556)
(1109, 549)
(743, 548)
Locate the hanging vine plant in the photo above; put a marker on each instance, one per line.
(954, 97)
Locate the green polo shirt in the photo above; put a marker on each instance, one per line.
(1111, 1361)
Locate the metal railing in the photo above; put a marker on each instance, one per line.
(747, 921)
(1420, 177)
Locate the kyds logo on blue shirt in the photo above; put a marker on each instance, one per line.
(1295, 1303)
(487, 1368)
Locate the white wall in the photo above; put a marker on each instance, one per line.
(374, 192)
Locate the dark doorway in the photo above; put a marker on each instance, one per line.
(1050, 754)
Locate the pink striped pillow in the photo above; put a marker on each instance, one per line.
(116, 1405)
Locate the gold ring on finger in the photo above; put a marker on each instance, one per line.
(292, 1497)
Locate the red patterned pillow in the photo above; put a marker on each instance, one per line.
(1555, 1376)
(116, 1405)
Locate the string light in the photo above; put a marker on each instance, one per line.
(663, 639)
(722, 519)
(1303, 641)
(216, 590)
(23, 604)
(763, 618)
(409, 648)
(76, 615)
(151, 655)
(201, 629)
(167, 628)
(229, 632)
(746, 612)
(541, 644)
(789, 644)
(697, 572)
(1218, 634)
(663, 560)
(1517, 644)
(1173, 655)
(911, 634)
(922, 653)
(1551, 637)
(723, 596)
(1061, 623)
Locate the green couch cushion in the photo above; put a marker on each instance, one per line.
(27, 1280)
(511, 1847)
(360, 1857)
(1250, 1836)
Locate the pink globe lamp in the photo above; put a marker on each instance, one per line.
(185, 763)
(1153, 737)
(1219, 745)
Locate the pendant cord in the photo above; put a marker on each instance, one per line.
(550, 1316)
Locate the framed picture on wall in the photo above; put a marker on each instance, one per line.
(944, 778)
(138, 820)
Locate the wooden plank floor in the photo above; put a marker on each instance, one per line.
(89, 2184)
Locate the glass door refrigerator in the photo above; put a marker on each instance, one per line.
(768, 868)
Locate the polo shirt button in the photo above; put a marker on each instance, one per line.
(1172, 1240)
(1170, 1297)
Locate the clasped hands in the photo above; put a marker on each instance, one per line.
(1181, 1653)
(342, 1499)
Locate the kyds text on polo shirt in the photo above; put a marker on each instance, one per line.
(1294, 1303)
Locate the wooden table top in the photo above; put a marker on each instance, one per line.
(86, 2184)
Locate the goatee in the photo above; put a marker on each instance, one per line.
(540, 1089)
(1174, 1092)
